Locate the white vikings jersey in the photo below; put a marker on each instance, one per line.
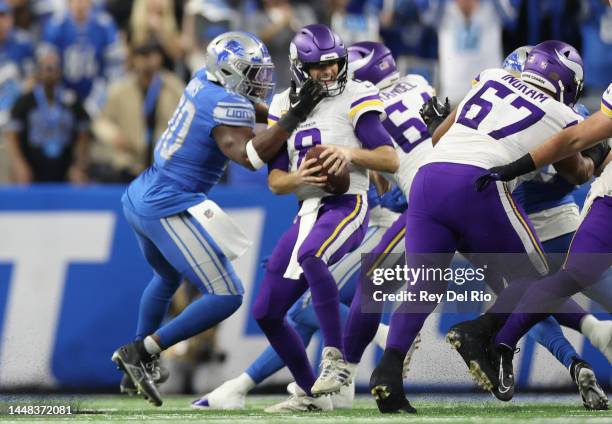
(501, 119)
(332, 121)
(402, 102)
(602, 186)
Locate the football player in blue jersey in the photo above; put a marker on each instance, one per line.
(91, 52)
(182, 233)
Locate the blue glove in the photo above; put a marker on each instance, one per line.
(394, 200)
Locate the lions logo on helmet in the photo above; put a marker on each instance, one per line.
(240, 62)
(515, 61)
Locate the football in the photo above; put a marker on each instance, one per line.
(336, 184)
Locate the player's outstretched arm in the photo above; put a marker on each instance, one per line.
(574, 139)
(584, 137)
(252, 151)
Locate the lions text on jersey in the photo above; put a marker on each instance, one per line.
(188, 162)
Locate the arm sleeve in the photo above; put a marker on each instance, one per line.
(365, 99)
(234, 110)
(371, 133)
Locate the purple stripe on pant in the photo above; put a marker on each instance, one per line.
(446, 214)
(277, 294)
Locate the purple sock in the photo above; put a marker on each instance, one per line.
(359, 330)
(289, 346)
(325, 300)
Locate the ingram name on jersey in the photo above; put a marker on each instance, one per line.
(501, 119)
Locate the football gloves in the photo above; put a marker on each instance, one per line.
(301, 104)
(433, 113)
(510, 171)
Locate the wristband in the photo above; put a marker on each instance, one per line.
(254, 158)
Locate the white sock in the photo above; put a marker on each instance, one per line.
(598, 332)
(588, 326)
(244, 382)
(381, 335)
(151, 346)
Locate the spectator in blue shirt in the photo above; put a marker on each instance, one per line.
(90, 49)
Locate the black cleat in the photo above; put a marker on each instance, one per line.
(501, 357)
(593, 397)
(158, 374)
(130, 359)
(386, 384)
(471, 340)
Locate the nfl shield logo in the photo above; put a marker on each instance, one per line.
(208, 213)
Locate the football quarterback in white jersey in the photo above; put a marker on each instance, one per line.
(348, 126)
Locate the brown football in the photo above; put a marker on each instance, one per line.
(336, 184)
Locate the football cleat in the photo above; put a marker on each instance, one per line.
(593, 397)
(158, 373)
(299, 402)
(335, 373)
(386, 385)
(132, 362)
(408, 358)
(226, 396)
(472, 342)
(501, 357)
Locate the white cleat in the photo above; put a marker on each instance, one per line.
(341, 400)
(335, 373)
(408, 358)
(299, 402)
(344, 399)
(593, 397)
(226, 396)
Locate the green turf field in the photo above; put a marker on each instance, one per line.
(432, 409)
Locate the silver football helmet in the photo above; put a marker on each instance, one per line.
(240, 62)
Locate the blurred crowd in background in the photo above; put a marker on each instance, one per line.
(87, 86)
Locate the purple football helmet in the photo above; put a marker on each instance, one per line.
(372, 61)
(316, 44)
(555, 66)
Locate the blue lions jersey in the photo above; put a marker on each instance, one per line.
(188, 162)
(88, 52)
(18, 50)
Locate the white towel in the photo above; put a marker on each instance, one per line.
(221, 227)
(308, 216)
